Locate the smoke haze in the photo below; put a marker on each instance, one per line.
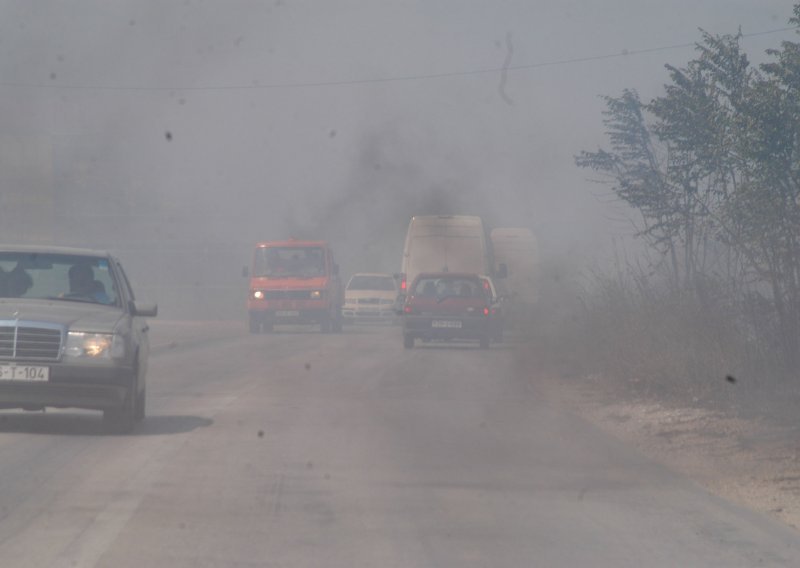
(206, 126)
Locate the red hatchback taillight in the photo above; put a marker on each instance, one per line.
(407, 309)
(486, 311)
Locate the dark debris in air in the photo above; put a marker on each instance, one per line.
(308, 366)
(168, 136)
(731, 379)
(261, 433)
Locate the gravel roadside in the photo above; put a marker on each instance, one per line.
(748, 457)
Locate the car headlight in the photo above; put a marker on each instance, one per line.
(316, 294)
(258, 294)
(94, 345)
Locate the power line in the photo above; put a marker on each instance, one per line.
(378, 80)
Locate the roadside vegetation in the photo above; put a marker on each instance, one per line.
(712, 169)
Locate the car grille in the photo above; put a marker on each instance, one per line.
(369, 301)
(30, 341)
(287, 294)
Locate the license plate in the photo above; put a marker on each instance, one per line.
(287, 313)
(446, 323)
(24, 373)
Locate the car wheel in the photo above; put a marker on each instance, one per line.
(266, 327)
(254, 324)
(325, 325)
(337, 325)
(484, 342)
(141, 404)
(122, 420)
(408, 341)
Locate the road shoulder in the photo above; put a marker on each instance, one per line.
(750, 460)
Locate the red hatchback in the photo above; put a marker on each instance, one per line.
(445, 306)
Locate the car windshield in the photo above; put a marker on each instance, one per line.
(57, 277)
(290, 262)
(363, 282)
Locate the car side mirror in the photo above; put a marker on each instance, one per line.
(143, 309)
(245, 271)
(502, 270)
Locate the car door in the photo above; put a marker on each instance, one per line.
(139, 328)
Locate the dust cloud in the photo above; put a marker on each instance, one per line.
(177, 135)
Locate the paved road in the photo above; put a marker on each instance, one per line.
(300, 449)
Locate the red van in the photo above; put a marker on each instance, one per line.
(294, 282)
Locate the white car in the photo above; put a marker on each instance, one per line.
(370, 297)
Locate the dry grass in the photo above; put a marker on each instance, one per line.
(660, 343)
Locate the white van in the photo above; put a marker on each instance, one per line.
(518, 250)
(444, 243)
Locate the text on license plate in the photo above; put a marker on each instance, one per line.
(24, 373)
(446, 323)
(287, 313)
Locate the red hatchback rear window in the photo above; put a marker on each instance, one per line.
(448, 286)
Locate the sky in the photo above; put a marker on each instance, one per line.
(228, 122)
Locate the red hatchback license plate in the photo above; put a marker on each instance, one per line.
(452, 324)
